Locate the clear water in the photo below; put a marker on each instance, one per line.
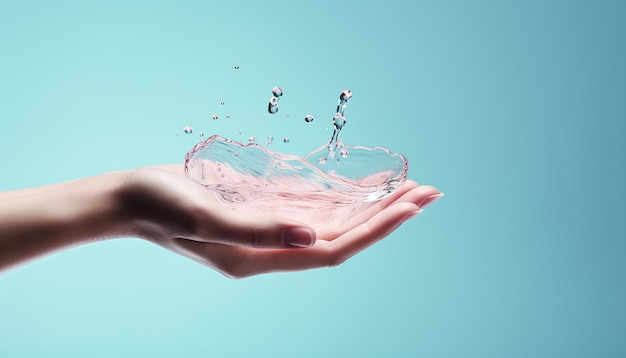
(334, 144)
(251, 179)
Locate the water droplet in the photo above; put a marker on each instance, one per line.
(188, 129)
(270, 140)
(215, 116)
(286, 140)
(345, 95)
(287, 115)
(322, 161)
(222, 103)
(239, 132)
(272, 107)
(251, 139)
(344, 153)
(308, 118)
(236, 67)
(277, 92)
(201, 134)
(228, 116)
(339, 121)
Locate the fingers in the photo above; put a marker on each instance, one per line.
(326, 253)
(230, 228)
(239, 261)
(370, 232)
(409, 193)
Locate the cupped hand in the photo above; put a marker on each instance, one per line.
(180, 215)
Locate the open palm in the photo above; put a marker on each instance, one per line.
(182, 216)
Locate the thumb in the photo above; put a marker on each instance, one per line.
(263, 232)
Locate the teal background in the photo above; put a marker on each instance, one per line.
(515, 110)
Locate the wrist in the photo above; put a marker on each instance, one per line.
(37, 222)
(95, 210)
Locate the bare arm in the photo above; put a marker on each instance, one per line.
(161, 205)
(36, 222)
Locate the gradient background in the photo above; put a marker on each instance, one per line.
(515, 110)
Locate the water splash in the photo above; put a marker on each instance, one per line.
(322, 155)
(319, 188)
(253, 180)
(339, 120)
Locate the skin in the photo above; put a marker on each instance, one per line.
(161, 205)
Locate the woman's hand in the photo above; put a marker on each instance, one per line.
(180, 215)
(163, 206)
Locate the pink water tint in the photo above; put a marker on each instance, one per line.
(252, 180)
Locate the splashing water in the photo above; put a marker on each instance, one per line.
(339, 120)
(321, 156)
(253, 180)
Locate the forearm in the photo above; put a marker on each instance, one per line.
(36, 222)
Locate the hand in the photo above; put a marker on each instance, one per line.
(182, 216)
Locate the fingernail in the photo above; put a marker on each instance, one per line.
(431, 199)
(298, 236)
(412, 215)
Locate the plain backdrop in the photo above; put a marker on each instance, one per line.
(515, 110)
